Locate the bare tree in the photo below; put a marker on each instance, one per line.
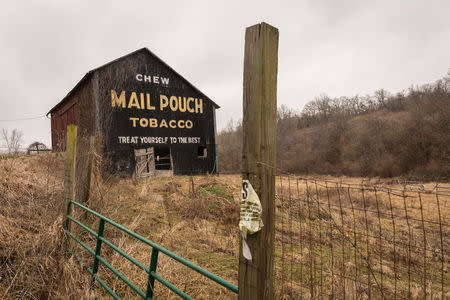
(13, 141)
(381, 97)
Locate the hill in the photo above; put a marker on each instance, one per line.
(406, 134)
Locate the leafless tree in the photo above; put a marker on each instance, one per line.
(13, 141)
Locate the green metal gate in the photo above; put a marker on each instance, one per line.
(151, 270)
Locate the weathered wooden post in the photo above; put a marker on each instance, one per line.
(259, 155)
(90, 161)
(69, 178)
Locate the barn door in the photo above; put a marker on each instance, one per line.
(145, 162)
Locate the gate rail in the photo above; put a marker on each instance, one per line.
(151, 271)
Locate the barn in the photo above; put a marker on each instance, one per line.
(150, 121)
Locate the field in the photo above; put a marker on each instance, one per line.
(361, 240)
(335, 237)
(197, 225)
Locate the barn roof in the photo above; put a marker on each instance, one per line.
(89, 74)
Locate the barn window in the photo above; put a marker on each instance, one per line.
(202, 151)
(163, 159)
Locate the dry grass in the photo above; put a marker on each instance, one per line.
(196, 218)
(33, 264)
(348, 241)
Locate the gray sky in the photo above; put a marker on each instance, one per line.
(326, 47)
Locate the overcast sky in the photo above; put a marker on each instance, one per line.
(326, 47)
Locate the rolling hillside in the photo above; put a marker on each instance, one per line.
(406, 134)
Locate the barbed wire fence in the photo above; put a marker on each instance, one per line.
(360, 241)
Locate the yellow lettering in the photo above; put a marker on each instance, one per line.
(163, 123)
(142, 101)
(149, 105)
(134, 121)
(182, 104)
(173, 103)
(189, 100)
(119, 101)
(133, 101)
(143, 122)
(163, 102)
(198, 105)
(153, 122)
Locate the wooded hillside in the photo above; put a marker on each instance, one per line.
(387, 135)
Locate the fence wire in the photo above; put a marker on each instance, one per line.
(360, 241)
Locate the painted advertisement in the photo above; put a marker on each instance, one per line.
(144, 103)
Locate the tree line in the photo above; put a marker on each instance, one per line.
(384, 134)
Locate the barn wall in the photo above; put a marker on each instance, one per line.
(120, 137)
(91, 107)
(76, 110)
(65, 115)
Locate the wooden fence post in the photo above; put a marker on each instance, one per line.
(69, 178)
(87, 188)
(259, 155)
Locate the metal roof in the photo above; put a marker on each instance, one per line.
(88, 75)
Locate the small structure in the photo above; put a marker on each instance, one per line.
(37, 148)
(149, 119)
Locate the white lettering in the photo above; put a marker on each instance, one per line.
(153, 79)
(158, 140)
(128, 139)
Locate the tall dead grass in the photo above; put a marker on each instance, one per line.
(318, 246)
(195, 218)
(33, 263)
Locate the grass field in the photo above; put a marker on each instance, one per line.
(361, 241)
(330, 240)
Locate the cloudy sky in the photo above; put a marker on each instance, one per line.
(326, 47)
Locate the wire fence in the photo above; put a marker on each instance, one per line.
(23, 150)
(360, 241)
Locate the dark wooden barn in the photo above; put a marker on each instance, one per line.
(149, 119)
